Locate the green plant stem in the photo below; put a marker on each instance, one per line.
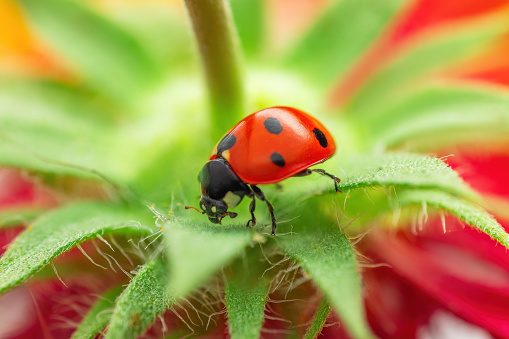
(219, 48)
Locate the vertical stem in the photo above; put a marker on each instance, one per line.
(219, 47)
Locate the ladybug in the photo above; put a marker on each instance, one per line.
(266, 147)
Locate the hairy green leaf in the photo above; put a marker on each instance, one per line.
(385, 170)
(56, 232)
(321, 315)
(442, 114)
(422, 59)
(146, 297)
(338, 38)
(197, 251)
(246, 308)
(330, 261)
(98, 316)
(106, 55)
(473, 215)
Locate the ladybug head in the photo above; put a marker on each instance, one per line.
(221, 189)
(216, 210)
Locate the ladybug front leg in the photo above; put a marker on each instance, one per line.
(259, 194)
(336, 179)
(252, 207)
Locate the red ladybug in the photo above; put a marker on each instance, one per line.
(266, 147)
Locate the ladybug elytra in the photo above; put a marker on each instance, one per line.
(266, 147)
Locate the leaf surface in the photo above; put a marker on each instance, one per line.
(423, 58)
(330, 261)
(197, 251)
(438, 115)
(98, 316)
(146, 297)
(473, 215)
(58, 231)
(321, 315)
(384, 170)
(246, 308)
(339, 37)
(107, 56)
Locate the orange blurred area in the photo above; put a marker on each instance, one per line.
(428, 13)
(288, 18)
(14, 34)
(420, 18)
(20, 51)
(491, 65)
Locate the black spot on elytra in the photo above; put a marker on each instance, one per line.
(320, 137)
(226, 143)
(272, 125)
(277, 159)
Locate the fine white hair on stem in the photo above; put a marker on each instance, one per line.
(121, 268)
(163, 323)
(101, 253)
(345, 199)
(423, 215)
(223, 311)
(88, 257)
(194, 309)
(296, 269)
(182, 319)
(187, 313)
(115, 243)
(58, 276)
(104, 241)
(442, 219)
(161, 219)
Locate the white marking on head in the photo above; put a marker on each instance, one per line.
(214, 209)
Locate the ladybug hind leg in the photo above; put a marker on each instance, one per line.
(259, 194)
(322, 172)
(252, 222)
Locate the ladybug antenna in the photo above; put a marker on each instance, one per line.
(194, 208)
(232, 214)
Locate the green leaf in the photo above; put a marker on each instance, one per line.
(424, 58)
(384, 170)
(142, 301)
(466, 211)
(441, 114)
(45, 126)
(246, 308)
(321, 315)
(197, 251)
(249, 18)
(106, 55)
(339, 37)
(330, 261)
(19, 216)
(98, 316)
(55, 233)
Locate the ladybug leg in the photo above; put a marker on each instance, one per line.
(259, 194)
(252, 207)
(303, 173)
(336, 179)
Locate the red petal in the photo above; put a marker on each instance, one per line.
(474, 287)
